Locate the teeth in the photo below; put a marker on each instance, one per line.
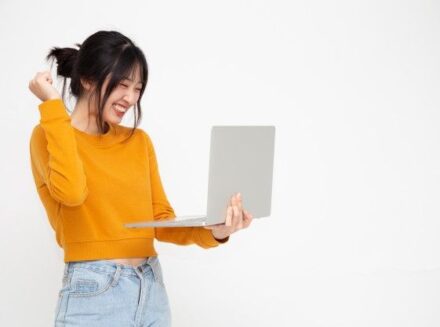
(119, 108)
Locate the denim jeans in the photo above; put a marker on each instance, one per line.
(102, 293)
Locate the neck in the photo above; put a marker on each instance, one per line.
(80, 118)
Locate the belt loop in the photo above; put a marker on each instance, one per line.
(141, 268)
(116, 275)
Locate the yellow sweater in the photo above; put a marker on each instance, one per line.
(90, 185)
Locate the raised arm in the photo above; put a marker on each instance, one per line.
(55, 160)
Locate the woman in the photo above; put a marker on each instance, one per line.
(94, 175)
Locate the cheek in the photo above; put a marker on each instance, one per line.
(107, 111)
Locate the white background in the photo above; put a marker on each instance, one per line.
(352, 88)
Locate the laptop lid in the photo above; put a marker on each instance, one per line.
(241, 160)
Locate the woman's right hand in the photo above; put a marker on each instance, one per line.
(42, 87)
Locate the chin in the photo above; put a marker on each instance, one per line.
(113, 120)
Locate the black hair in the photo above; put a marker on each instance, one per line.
(102, 54)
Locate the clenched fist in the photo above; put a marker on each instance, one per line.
(42, 87)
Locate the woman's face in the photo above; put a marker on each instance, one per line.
(123, 97)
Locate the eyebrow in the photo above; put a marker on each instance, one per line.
(132, 80)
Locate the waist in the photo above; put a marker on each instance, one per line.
(129, 261)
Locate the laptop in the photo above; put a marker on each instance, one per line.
(241, 160)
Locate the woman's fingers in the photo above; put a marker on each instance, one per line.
(240, 218)
(247, 219)
(239, 201)
(236, 212)
(237, 219)
(229, 214)
(239, 205)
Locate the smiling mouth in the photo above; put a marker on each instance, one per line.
(119, 108)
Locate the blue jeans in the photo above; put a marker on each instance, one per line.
(102, 293)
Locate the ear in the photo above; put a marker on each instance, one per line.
(88, 85)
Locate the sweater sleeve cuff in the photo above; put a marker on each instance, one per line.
(52, 109)
(223, 240)
(208, 239)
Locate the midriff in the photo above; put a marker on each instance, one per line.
(129, 261)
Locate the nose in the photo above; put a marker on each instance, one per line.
(131, 97)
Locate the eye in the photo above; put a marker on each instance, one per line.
(122, 84)
(138, 90)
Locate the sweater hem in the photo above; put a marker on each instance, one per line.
(110, 249)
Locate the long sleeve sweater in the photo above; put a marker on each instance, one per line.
(91, 185)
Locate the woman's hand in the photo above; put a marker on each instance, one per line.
(42, 87)
(236, 218)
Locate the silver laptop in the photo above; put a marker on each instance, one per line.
(241, 160)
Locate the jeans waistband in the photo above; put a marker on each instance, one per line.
(110, 266)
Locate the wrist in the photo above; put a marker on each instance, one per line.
(220, 239)
(53, 97)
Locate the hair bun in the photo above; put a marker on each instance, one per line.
(65, 58)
